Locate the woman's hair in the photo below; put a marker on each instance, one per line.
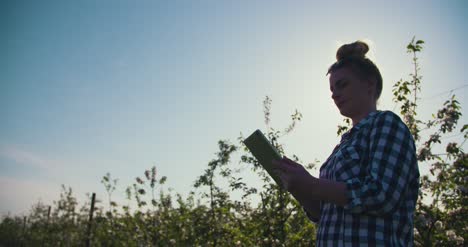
(354, 56)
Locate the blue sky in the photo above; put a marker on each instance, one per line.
(95, 86)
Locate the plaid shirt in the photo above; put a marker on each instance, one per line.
(377, 161)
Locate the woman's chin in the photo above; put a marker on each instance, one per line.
(343, 112)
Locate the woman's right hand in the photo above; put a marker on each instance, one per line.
(294, 177)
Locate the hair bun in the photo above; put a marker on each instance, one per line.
(357, 49)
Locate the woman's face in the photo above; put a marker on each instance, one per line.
(353, 96)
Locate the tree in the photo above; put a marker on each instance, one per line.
(443, 220)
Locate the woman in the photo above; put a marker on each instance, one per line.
(368, 187)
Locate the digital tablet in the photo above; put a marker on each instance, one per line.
(264, 152)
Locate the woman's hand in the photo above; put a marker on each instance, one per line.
(298, 181)
(294, 177)
(304, 187)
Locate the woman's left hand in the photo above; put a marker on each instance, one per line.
(294, 176)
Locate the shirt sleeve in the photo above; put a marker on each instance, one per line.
(392, 164)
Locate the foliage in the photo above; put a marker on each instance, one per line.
(214, 219)
(442, 220)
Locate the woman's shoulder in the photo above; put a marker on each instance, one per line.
(387, 113)
(387, 116)
(391, 120)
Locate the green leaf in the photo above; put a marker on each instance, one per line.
(465, 127)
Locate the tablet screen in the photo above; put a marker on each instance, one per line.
(263, 151)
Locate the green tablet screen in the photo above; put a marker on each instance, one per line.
(263, 151)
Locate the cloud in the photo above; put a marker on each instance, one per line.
(27, 158)
(18, 195)
(21, 190)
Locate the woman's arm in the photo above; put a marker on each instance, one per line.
(310, 205)
(330, 191)
(308, 190)
(391, 168)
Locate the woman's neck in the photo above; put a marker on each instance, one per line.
(356, 119)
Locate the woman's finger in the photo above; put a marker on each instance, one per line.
(291, 162)
(279, 173)
(278, 163)
(285, 166)
(284, 179)
(287, 160)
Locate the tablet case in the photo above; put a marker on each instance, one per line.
(264, 152)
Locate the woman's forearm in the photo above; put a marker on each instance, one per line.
(307, 189)
(319, 189)
(330, 191)
(311, 206)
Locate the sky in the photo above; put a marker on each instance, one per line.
(96, 86)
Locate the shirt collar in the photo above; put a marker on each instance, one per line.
(364, 122)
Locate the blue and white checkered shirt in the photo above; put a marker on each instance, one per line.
(377, 161)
